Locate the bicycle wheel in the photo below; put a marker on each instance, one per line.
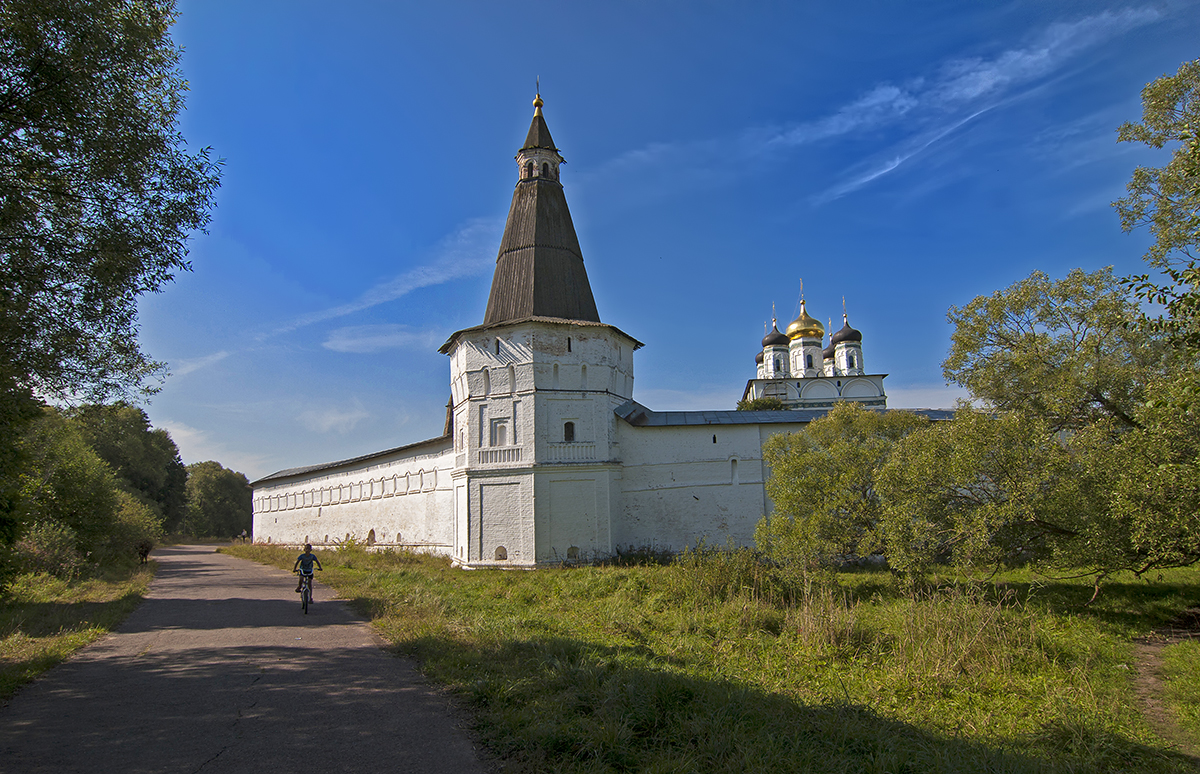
(305, 592)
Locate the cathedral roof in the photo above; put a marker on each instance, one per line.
(539, 269)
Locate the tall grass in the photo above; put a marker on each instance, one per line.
(721, 662)
(44, 619)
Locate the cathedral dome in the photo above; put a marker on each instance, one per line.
(846, 333)
(827, 353)
(774, 338)
(759, 358)
(805, 327)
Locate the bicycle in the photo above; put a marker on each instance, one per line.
(306, 593)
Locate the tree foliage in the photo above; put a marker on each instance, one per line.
(98, 193)
(1065, 351)
(1167, 200)
(145, 458)
(766, 403)
(984, 491)
(66, 483)
(823, 485)
(219, 501)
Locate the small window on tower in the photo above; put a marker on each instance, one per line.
(808, 361)
(568, 343)
(777, 368)
(545, 169)
(850, 361)
(569, 432)
(529, 169)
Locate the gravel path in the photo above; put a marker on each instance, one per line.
(219, 671)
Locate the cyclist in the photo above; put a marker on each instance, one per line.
(305, 563)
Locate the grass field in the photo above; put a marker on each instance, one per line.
(44, 619)
(717, 665)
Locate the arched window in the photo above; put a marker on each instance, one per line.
(545, 169)
(850, 361)
(568, 432)
(568, 343)
(777, 368)
(487, 382)
(501, 553)
(371, 538)
(528, 169)
(808, 361)
(573, 553)
(497, 346)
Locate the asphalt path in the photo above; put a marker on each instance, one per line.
(220, 671)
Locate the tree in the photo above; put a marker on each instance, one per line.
(98, 194)
(823, 485)
(1167, 200)
(67, 485)
(219, 501)
(1064, 351)
(145, 458)
(984, 490)
(766, 403)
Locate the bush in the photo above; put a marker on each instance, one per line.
(49, 547)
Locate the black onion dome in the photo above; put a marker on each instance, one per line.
(759, 358)
(827, 353)
(775, 338)
(846, 333)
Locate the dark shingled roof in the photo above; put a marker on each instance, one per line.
(539, 134)
(539, 270)
(639, 416)
(444, 440)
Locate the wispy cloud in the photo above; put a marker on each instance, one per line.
(910, 114)
(197, 446)
(333, 418)
(877, 170)
(376, 338)
(182, 367)
(467, 252)
(966, 83)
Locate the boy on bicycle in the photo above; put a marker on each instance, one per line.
(305, 562)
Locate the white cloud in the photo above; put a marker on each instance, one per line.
(333, 418)
(467, 252)
(182, 367)
(376, 338)
(924, 109)
(195, 445)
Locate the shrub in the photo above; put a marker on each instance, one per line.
(49, 546)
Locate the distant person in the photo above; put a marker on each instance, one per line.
(243, 536)
(305, 563)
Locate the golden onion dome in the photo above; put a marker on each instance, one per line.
(805, 327)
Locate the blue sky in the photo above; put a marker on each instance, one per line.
(905, 156)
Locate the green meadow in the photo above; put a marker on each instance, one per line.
(717, 663)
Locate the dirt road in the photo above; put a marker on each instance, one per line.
(219, 671)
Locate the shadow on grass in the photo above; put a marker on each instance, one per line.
(563, 705)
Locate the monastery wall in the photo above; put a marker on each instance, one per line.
(402, 500)
(680, 485)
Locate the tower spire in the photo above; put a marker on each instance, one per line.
(539, 269)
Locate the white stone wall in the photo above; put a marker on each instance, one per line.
(403, 500)
(678, 485)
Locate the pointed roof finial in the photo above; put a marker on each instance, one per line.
(537, 99)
